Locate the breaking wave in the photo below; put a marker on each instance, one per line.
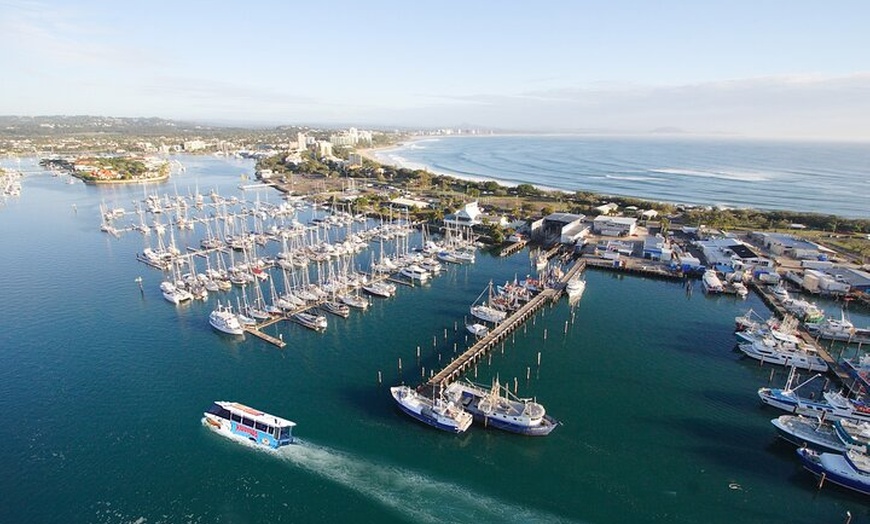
(743, 176)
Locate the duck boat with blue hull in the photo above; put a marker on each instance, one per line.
(438, 412)
(241, 422)
(492, 408)
(850, 470)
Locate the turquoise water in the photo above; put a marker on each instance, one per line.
(104, 386)
(827, 178)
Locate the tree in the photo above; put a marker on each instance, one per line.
(527, 190)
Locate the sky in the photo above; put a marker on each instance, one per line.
(765, 68)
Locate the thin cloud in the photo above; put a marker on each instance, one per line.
(787, 105)
(63, 37)
(217, 90)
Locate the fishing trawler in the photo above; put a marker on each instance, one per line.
(501, 410)
(437, 412)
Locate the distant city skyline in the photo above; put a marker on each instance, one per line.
(774, 69)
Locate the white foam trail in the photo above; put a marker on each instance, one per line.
(420, 498)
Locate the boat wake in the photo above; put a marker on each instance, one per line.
(416, 496)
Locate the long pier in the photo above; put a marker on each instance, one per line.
(478, 350)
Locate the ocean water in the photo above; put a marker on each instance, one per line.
(103, 387)
(827, 178)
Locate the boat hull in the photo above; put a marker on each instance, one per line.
(422, 410)
(835, 469)
(469, 399)
(419, 416)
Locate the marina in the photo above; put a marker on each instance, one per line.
(700, 417)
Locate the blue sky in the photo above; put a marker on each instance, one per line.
(754, 68)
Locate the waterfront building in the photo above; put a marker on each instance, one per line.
(728, 254)
(657, 248)
(790, 246)
(565, 228)
(614, 226)
(408, 203)
(467, 215)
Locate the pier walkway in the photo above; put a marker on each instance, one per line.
(478, 350)
(268, 338)
(513, 248)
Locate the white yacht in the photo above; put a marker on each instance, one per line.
(711, 282)
(415, 272)
(224, 320)
(174, 294)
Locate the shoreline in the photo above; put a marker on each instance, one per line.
(400, 162)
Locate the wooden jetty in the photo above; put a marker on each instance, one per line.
(476, 352)
(513, 248)
(268, 338)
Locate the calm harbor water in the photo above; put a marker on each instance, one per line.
(827, 178)
(104, 386)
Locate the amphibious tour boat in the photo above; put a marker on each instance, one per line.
(239, 421)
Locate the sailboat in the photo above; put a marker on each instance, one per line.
(484, 311)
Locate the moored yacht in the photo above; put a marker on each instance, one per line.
(711, 282)
(336, 308)
(224, 320)
(478, 330)
(174, 294)
(575, 289)
(416, 273)
(311, 321)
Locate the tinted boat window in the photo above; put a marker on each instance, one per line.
(236, 418)
(248, 422)
(263, 427)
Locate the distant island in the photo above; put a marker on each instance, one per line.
(111, 169)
